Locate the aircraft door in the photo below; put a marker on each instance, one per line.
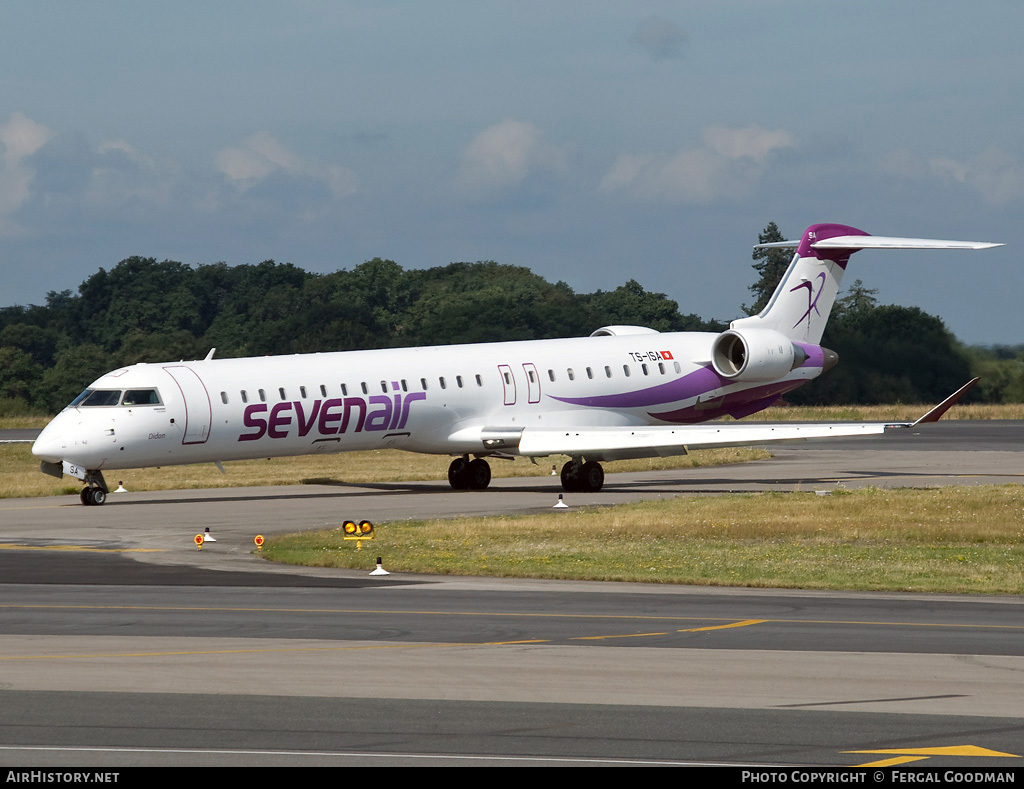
(532, 382)
(198, 410)
(508, 381)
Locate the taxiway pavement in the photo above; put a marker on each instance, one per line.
(122, 644)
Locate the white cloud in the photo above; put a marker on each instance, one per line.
(261, 155)
(507, 154)
(20, 137)
(727, 166)
(994, 174)
(660, 38)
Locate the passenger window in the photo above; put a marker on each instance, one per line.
(302, 392)
(551, 374)
(607, 372)
(571, 374)
(644, 368)
(458, 380)
(590, 373)
(479, 380)
(384, 387)
(245, 397)
(441, 381)
(344, 390)
(362, 385)
(263, 396)
(224, 397)
(625, 370)
(323, 390)
(280, 391)
(678, 368)
(423, 384)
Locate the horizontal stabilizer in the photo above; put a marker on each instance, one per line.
(893, 242)
(881, 242)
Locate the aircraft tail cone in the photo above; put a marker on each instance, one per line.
(207, 537)
(561, 503)
(380, 570)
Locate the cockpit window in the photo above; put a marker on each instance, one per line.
(100, 397)
(80, 398)
(141, 397)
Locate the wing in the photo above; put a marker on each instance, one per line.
(621, 443)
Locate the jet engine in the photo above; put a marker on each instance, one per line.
(622, 331)
(755, 355)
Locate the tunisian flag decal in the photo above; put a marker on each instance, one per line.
(667, 355)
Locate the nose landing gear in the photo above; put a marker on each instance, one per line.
(95, 492)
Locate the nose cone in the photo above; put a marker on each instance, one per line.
(50, 445)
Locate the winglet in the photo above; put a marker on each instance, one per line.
(936, 413)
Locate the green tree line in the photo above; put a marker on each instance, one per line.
(148, 310)
(144, 310)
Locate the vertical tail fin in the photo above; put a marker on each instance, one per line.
(804, 298)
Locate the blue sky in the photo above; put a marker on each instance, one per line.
(593, 142)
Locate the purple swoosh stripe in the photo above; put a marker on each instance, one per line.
(736, 405)
(691, 385)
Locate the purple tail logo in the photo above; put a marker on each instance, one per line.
(812, 298)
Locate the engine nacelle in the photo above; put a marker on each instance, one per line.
(755, 355)
(622, 331)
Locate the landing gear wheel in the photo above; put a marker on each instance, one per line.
(571, 476)
(457, 476)
(582, 477)
(478, 474)
(465, 474)
(591, 477)
(93, 496)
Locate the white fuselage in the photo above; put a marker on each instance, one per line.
(443, 399)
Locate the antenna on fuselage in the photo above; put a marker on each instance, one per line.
(210, 354)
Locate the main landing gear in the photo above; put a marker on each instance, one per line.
(466, 474)
(579, 477)
(95, 492)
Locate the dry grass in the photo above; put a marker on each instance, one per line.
(899, 412)
(945, 540)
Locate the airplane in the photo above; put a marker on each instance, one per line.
(623, 392)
